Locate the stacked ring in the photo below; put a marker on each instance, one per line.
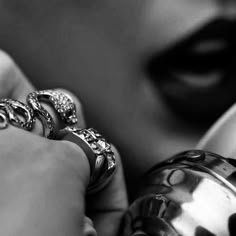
(98, 151)
(61, 102)
(100, 155)
(11, 108)
(3, 121)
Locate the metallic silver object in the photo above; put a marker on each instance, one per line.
(17, 113)
(191, 194)
(100, 155)
(3, 121)
(61, 102)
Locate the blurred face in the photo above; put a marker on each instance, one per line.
(138, 66)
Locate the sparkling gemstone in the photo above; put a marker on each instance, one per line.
(102, 145)
(88, 137)
(99, 161)
(95, 133)
(94, 146)
(73, 120)
(82, 136)
(111, 161)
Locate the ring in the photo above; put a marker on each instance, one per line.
(61, 102)
(14, 111)
(100, 155)
(3, 121)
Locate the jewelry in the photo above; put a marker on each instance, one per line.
(3, 121)
(14, 111)
(100, 155)
(192, 193)
(61, 102)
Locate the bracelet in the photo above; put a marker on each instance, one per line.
(193, 193)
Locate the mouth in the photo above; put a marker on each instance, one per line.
(210, 49)
(203, 66)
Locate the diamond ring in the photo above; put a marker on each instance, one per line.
(61, 102)
(99, 152)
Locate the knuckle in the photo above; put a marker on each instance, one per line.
(52, 160)
(6, 60)
(7, 65)
(69, 155)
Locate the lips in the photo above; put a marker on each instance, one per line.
(200, 63)
(198, 74)
(184, 55)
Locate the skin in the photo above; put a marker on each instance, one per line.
(43, 182)
(97, 49)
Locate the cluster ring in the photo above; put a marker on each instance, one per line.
(61, 102)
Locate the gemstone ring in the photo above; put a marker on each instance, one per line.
(99, 152)
(61, 102)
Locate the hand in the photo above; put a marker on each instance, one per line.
(43, 182)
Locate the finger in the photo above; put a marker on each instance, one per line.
(15, 85)
(107, 207)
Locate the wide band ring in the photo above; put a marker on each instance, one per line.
(3, 121)
(14, 112)
(100, 155)
(60, 101)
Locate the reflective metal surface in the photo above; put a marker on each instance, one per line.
(191, 194)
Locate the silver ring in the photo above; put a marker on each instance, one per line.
(100, 155)
(3, 121)
(61, 102)
(14, 112)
